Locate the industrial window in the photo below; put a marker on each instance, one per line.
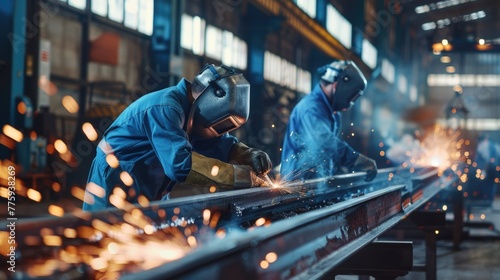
(193, 34)
(224, 46)
(308, 6)
(213, 46)
(402, 83)
(99, 7)
(79, 4)
(133, 14)
(227, 45)
(465, 80)
(288, 70)
(116, 10)
(369, 54)
(472, 124)
(303, 80)
(388, 71)
(284, 73)
(413, 93)
(338, 26)
(146, 15)
(241, 53)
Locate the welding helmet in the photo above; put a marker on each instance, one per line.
(351, 83)
(222, 102)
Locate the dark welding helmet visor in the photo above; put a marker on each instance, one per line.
(222, 102)
(351, 83)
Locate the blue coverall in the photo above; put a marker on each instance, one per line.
(312, 148)
(150, 141)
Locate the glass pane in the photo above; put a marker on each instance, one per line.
(146, 16)
(308, 6)
(79, 4)
(402, 83)
(276, 74)
(132, 14)
(369, 54)
(235, 52)
(116, 10)
(338, 26)
(187, 32)
(267, 65)
(243, 56)
(198, 35)
(213, 44)
(99, 7)
(227, 44)
(388, 71)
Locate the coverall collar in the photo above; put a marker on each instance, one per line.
(184, 99)
(317, 91)
(181, 86)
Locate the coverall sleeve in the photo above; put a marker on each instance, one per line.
(218, 148)
(318, 133)
(163, 127)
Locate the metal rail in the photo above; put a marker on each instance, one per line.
(314, 225)
(309, 245)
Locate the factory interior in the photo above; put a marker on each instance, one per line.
(424, 203)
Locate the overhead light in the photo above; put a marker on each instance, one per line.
(445, 59)
(429, 26)
(444, 22)
(436, 51)
(439, 5)
(422, 9)
(481, 42)
(450, 69)
(444, 42)
(442, 47)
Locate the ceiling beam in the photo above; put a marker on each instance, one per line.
(453, 11)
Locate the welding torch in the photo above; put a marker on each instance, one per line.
(267, 182)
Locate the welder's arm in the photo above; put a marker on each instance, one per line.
(318, 130)
(259, 160)
(365, 164)
(207, 171)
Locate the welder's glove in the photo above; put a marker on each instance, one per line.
(257, 159)
(207, 171)
(365, 164)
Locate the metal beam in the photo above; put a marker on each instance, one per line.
(314, 225)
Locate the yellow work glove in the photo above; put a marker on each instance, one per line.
(207, 171)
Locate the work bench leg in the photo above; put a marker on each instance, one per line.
(430, 256)
(458, 219)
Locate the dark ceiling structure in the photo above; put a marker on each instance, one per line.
(462, 22)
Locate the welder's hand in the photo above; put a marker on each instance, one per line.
(257, 159)
(245, 177)
(367, 165)
(207, 171)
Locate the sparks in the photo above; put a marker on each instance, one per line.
(440, 149)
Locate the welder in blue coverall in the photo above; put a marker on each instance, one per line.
(312, 147)
(178, 134)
